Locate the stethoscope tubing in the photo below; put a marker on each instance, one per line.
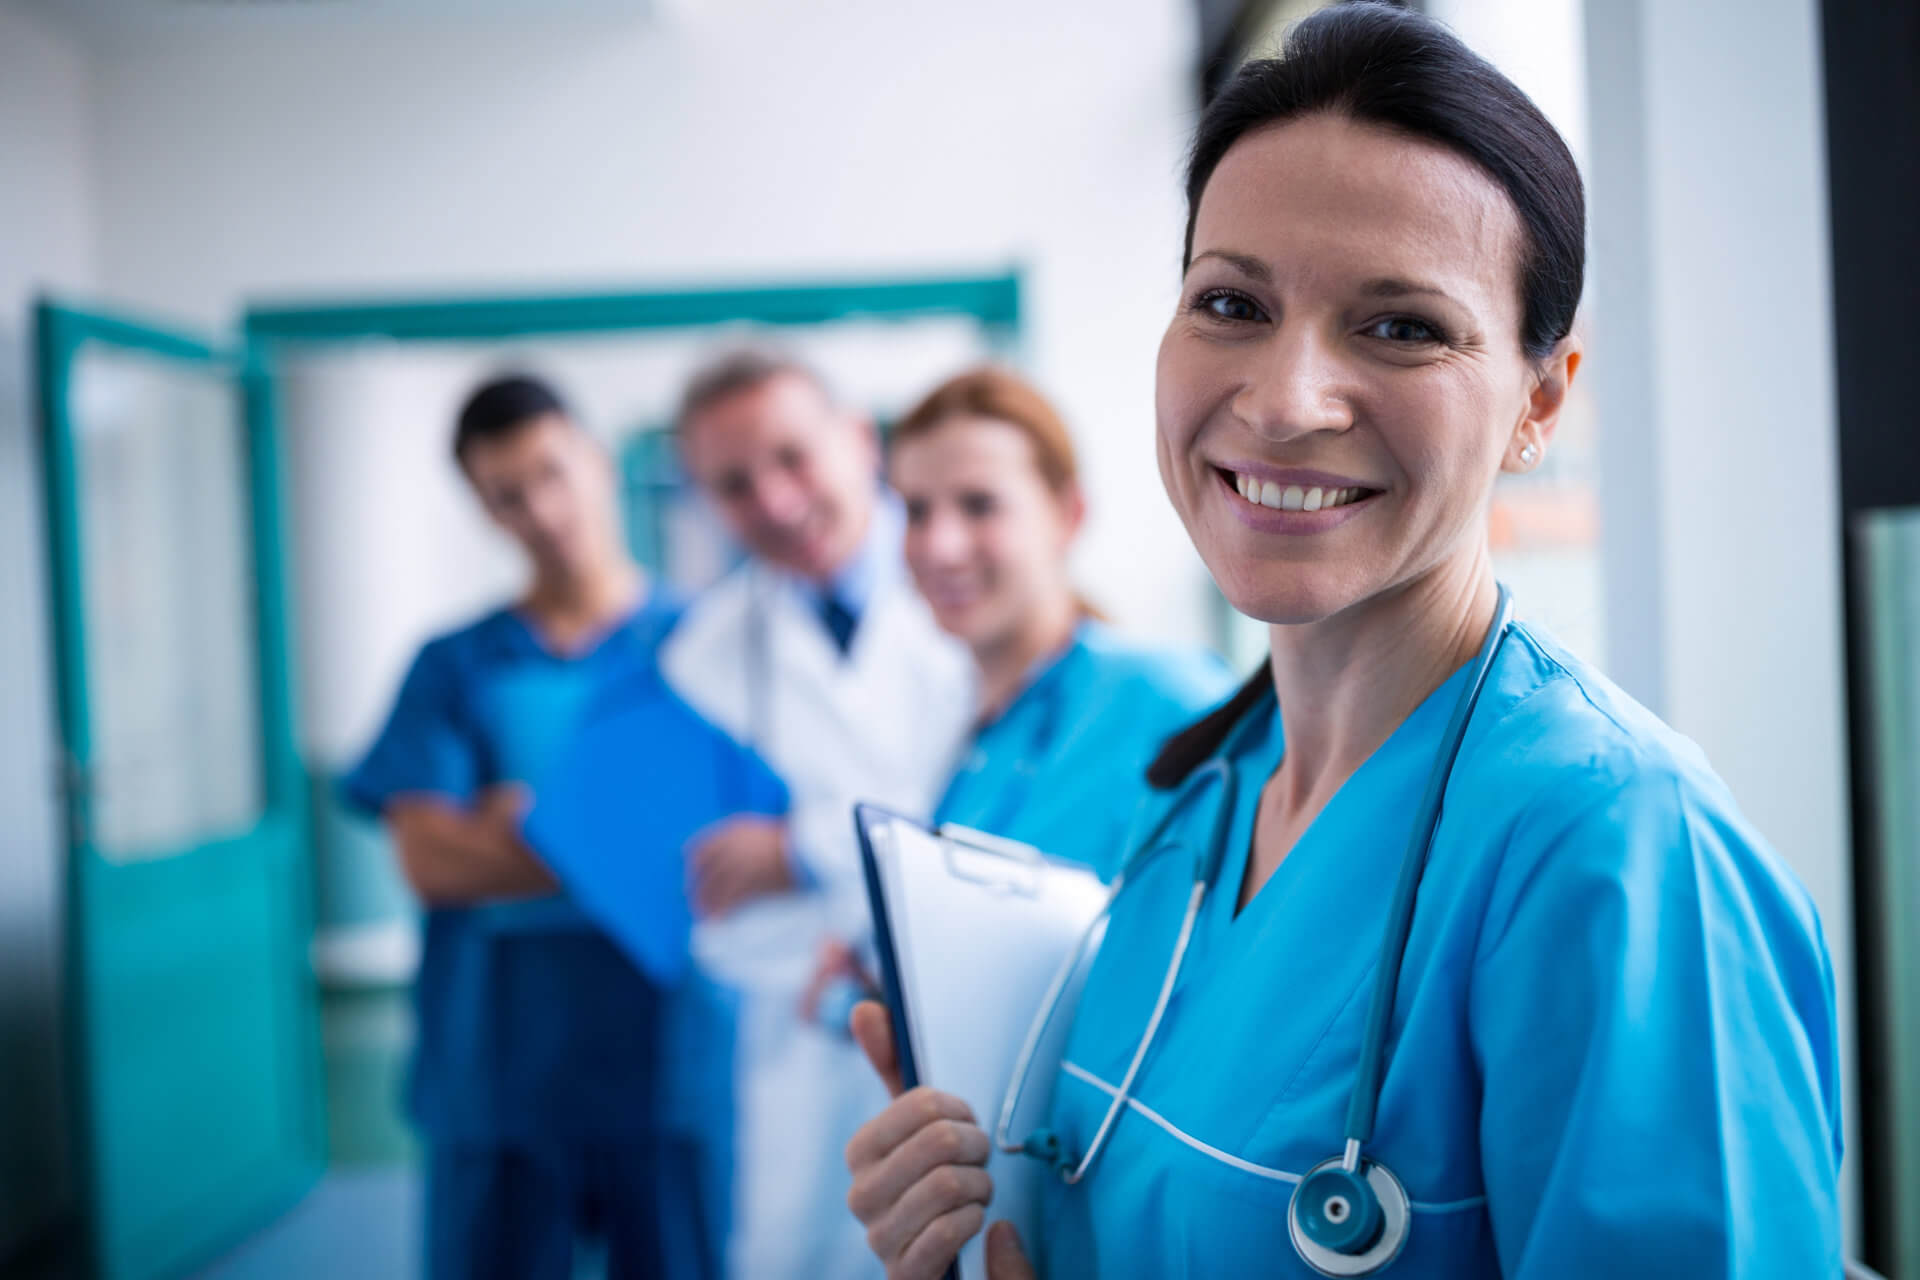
(1363, 1103)
(1363, 1107)
(1217, 770)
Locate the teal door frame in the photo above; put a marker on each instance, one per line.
(117, 1243)
(992, 300)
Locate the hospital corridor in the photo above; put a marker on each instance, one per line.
(729, 640)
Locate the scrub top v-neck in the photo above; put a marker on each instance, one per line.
(1604, 960)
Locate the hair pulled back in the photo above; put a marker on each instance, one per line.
(1390, 67)
(1004, 396)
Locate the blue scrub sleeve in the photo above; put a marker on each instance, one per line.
(424, 747)
(1652, 1013)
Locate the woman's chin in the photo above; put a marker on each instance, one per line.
(962, 622)
(1286, 599)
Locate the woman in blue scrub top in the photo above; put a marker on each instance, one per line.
(1612, 1047)
(1070, 712)
(1068, 709)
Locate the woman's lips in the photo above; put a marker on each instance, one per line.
(1293, 502)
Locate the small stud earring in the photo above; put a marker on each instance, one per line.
(1528, 453)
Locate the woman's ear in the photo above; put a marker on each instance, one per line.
(1541, 417)
(1073, 510)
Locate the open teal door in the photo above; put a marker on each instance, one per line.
(194, 1048)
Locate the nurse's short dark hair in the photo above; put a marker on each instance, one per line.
(1390, 67)
(501, 406)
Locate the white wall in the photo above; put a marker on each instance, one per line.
(1715, 372)
(746, 141)
(1539, 45)
(46, 241)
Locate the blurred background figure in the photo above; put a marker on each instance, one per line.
(534, 1077)
(1066, 709)
(817, 652)
(1067, 712)
(229, 521)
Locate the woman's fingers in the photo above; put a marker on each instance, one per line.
(922, 1130)
(1006, 1257)
(919, 1182)
(933, 1197)
(935, 1248)
(874, 1032)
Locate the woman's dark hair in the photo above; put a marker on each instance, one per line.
(501, 406)
(1397, 69)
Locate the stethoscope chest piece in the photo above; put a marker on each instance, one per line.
(1346, 1222)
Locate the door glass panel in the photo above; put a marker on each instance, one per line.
(172, 679)
(1889, 542)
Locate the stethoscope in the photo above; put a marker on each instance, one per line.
(1349, 1215)
(1039, 701)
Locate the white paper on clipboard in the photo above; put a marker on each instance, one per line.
(971, 931)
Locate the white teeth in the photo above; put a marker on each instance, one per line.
(1294, 497)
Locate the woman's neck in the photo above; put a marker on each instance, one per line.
(1005, 662)
(1347, 682)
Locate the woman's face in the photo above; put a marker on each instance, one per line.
(1344, 377)
(986, 538)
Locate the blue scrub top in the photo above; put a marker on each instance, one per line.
(1047, 769)
(1613, 1049)
(532, 1026)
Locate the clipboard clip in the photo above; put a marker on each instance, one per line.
(1008, 867)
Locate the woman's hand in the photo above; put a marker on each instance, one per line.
(920, 1185)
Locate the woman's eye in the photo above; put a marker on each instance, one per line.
(1227, 304)
(1403, 329)
(977, 506)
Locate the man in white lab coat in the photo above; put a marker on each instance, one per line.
(818, 652)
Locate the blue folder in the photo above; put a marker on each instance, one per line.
(643, 775)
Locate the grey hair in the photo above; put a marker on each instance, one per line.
(735, 371)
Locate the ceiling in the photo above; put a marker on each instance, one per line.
(118, 22)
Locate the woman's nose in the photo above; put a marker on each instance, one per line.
(1297, 385)
(943, 538)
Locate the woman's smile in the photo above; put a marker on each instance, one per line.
(1292, 501)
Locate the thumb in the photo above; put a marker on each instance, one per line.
(874, 1030)
(506, 802)
(1006, 1259)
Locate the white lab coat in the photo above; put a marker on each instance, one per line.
(885, 724)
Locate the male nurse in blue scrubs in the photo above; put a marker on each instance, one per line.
(545, 1071)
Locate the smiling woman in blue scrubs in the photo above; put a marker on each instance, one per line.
(1611, 1050)
(1069, 710)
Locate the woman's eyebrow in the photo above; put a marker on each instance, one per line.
(1394, 287)
(1245, 263)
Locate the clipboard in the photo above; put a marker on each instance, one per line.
(971, 930)
(642, 775)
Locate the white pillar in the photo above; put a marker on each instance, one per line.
(1712, 357)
